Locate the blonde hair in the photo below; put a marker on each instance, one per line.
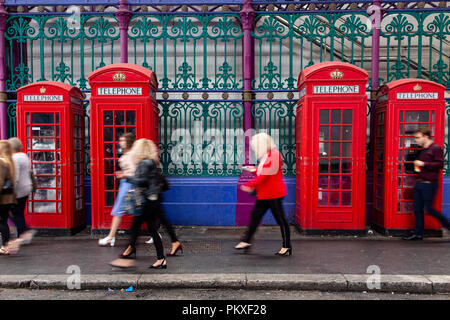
(6, 156)
(145, 149)
(261, 144)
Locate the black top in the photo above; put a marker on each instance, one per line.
(433, 157)
(146, 177)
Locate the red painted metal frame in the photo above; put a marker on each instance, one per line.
(69, 214)
(310, 214)
(146, 126)
(386, 214)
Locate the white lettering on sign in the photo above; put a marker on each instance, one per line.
(119, 91)
(417, 95)
(42, 97)
(336, 89)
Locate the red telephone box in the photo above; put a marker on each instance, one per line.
(123, 99)
(50, 124)
(331, 148)
(403, 106)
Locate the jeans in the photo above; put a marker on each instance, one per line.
(423, 198)
(258, 212)
(18, 212)
(4, 228)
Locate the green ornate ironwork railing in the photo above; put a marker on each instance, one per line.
(198, 60)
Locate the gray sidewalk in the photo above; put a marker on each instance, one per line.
(324, 263)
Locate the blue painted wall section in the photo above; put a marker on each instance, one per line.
(201, 201)
(446, 197)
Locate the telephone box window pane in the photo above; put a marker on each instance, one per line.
(109, 150)
(336, 116)
(109, 199)
(43, 118)
(379, 168)
(119, 116)
(323, 166)
(334, 199)
(42, 131)
(79, 204)
(323, 198)
(119, 132)
(57, 118)
(108, 134)
(347, 149)
(77, 144)
(347, 116)
(117, 184)
(380, 154)
(108, 118)
(408, 207)
(323, 149)
(432, 116)
(346, 166)
(399, 194)
(43, 144)
(43, 168)
(46, 182)
(401, 129)
(335, 182)
(131, 118)
(417, 116)
(335, 166)
(132, 130)
(77, 156)
(324, 133)
(408, 181)
(346, 182)
(28, 118)
(346, 198)
(410, 128)
(43, 207)
(408, 194)
(77, 192)
(109, 182)
(44, 194)
(335, 149)
(379, 192)
(323, 182)
(324, 116)
(347, 133)
(78, 168)
(44, 156)
(109, 166)
(336, 133)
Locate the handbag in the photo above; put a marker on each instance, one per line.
(163, 183)
(134, 202)
(8, 186)
(33, 181)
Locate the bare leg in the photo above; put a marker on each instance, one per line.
(114, 226)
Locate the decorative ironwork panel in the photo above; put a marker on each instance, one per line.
(59, 47)
(11, 111)
(415, 45)
(277, 118)
(189, 52)
(201, 138)
(288, 43)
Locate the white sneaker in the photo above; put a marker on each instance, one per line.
(150, 241)
(28, 236)
(106, 241)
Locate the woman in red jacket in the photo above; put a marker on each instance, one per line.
(270, 190)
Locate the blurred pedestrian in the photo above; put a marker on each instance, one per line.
(128, 166)
(147, 179)
(428, 167)
(7, 197)
(270, 191)
(23, 187)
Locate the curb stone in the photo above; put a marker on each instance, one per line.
(422, 284)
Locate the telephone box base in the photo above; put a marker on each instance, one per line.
(435, 233)
(59, 232)
(331, 232)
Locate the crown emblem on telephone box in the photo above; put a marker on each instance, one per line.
(336, 74)
(119, 76)
(417, 87)
(43, 90)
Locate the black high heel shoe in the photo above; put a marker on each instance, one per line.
(128, 256)
(160, 266)
(287, 253)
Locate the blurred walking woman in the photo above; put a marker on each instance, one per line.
(146, 177)
(270, 191)
(7, 195)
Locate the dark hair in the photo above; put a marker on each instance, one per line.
(129, 139)
(424, 131)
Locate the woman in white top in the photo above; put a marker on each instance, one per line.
(128, 167)
(24, 187)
